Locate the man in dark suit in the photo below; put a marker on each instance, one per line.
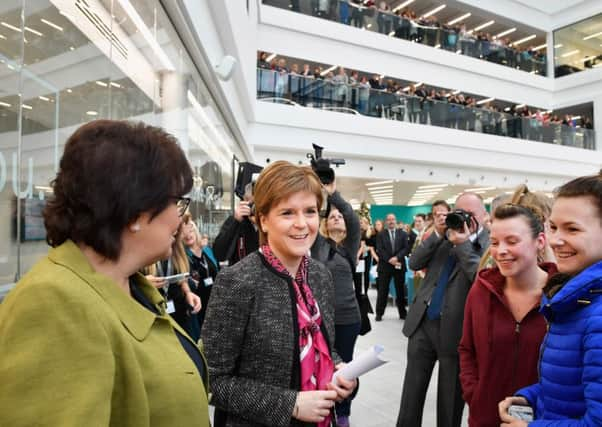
(391, 247)
(434, 322)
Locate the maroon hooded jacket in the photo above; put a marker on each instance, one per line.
(498, 355)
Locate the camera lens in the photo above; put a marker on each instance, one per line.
(455, 220)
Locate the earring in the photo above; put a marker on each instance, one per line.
(134, 228)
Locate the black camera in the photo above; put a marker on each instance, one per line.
(321, 166)
(456, 219)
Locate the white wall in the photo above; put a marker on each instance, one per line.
(453, 156)
(222, 28)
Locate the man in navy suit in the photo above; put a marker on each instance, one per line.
(391, 247)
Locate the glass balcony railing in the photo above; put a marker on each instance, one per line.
(425, 32)
(359, 98)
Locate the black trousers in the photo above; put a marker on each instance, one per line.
(382, 283)
(423, 351)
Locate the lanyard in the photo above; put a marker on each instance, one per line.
(204, 263)
(167, 272)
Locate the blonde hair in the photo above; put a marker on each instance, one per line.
(538, 203)
(187, 220)
(368, 232)
(324, 230)
(278, 182)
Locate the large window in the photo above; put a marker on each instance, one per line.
(65, 62)
(578, 47)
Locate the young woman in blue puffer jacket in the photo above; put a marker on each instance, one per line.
(569, 392)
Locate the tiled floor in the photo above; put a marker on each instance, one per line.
(377, 402)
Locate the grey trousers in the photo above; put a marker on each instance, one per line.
(423, 352)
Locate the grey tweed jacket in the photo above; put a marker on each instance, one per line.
(251, 340)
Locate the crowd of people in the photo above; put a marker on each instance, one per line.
(416, 103)
(132, 319)
(407, 25)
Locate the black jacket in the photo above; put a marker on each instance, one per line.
(235, 240)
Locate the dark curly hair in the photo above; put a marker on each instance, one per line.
(111, 172)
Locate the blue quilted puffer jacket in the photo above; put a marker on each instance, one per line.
(569, 392)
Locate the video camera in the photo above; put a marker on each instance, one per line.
(246, 175)
(456, 219)
(321, 166)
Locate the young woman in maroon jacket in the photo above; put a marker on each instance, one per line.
(503, 328)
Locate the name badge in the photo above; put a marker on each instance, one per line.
(171, 308)
(208, 281)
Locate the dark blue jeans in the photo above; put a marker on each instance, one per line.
(345, 336)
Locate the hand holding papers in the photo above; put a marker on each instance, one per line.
(362, 364)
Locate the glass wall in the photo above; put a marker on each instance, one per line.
(66, 62)
(578, 47)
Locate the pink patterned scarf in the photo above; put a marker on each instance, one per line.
(316, 363)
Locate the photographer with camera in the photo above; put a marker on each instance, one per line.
(238, 235)
(336, 246)
(451, 255)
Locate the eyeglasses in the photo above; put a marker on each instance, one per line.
(182, 204)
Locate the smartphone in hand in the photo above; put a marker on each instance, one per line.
(175, 278)
(521, 412)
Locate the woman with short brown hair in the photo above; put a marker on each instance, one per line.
(269, 328)
(86, 338)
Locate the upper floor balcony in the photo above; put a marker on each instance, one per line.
(415, 105)
(518, 48)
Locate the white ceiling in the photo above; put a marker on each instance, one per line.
(551, 7)
(356, 190)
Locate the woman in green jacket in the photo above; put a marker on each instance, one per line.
(85, 339)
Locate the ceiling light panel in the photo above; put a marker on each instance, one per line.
(435, 10)
(460, 18)
(383, 187)
(433, 186)
(52, 24)
(370, 184)
(484, 25)
(402, 5)
(505, 33)
(525, 39)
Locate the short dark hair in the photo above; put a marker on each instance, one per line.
(584, 186)
(440, 203)
(111, 172)
(532, 215)
(420, 215)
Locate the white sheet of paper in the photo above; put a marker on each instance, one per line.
(365, 362)
(361, 266)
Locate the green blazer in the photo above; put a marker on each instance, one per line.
(77, 350)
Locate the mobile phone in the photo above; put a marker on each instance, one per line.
(521, 412)
(175, 278)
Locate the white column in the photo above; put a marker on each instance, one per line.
(550, 53)
(598, 121)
